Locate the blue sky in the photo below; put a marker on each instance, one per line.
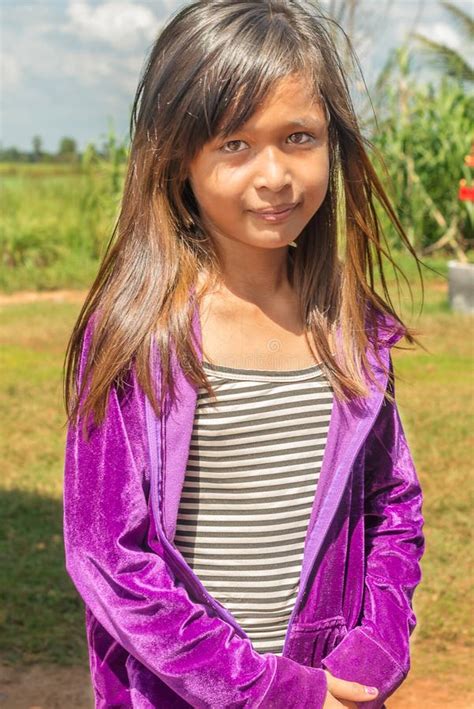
(68, 67)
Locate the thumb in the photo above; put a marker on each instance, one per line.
(354, 691)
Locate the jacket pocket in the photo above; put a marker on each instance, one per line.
(311, 642)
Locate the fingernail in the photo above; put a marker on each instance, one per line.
(371, 690)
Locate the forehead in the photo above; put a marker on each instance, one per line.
(293, 96)
(291, 101)
(293, 88)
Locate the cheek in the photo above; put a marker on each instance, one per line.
(223, 199)
(318, 171)
(316, 184)
(214, 185)
(227, 183)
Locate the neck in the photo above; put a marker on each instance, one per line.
(257, 276)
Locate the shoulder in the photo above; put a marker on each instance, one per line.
(124, 387)
(383, 329)
(90, 329)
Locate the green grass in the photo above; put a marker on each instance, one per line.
(42, 615)
(435, 399)
(39, 169)
(55, 222)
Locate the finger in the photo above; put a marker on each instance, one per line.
(331, 702)
(354, 691)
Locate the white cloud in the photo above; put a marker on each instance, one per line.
(42, 53)
(36, 60)
(118, 23)
(99, 68)
(10, 72)
(442, 33)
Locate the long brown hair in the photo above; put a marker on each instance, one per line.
(209, 69)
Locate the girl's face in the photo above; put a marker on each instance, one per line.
(279, 157)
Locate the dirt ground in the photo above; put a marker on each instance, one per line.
(55, 296)
(51, 687)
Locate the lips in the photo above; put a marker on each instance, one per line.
(276, 210)
(276, 216)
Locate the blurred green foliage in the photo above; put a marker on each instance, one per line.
(57, 219)
(424, 133)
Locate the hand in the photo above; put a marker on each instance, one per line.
(342, 693)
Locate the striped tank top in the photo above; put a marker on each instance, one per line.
(251, 476)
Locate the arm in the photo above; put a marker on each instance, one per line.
(377, 651)
(115, 560)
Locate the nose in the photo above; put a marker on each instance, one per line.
(271, 170)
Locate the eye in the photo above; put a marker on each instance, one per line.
(231, 142)
(302, 133)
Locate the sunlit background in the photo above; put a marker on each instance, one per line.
(69, 71)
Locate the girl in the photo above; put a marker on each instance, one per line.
(242, 514)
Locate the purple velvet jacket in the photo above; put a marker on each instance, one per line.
(157, 638)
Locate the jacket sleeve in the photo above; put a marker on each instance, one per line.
(376, 651)
(116, 562)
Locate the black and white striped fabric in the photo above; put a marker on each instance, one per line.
(251, 477)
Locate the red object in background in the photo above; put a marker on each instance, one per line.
(466, 194)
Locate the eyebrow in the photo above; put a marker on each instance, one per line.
(302, 121)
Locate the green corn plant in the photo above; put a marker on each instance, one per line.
(423, 134)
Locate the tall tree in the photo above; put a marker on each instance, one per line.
(37, 144)
(67, 147)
